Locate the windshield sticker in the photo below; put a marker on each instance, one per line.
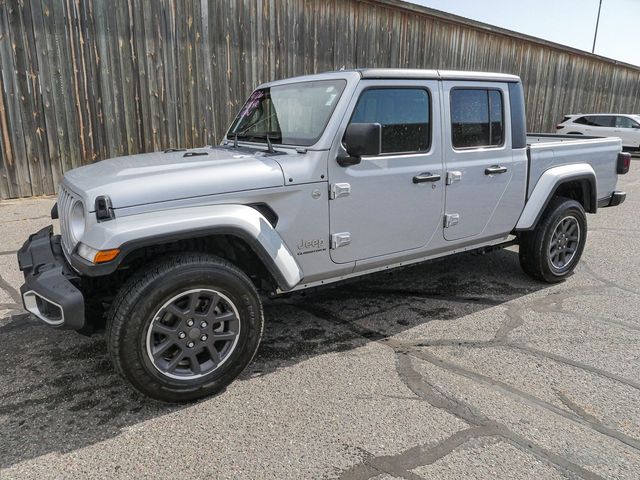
(331, 99)
(252, 103)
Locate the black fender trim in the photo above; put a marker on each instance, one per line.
(592, 192)
(98, 270)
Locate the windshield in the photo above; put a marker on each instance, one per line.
(291, 114)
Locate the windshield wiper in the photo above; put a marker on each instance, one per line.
(243, 132)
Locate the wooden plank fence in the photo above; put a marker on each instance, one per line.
(84, 80)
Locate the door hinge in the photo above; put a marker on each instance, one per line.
(453, 177)
(451, 219)
(338, 190)
(340, 240)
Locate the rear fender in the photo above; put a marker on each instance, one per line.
(547, 186)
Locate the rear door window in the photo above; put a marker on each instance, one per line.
(626, 122)
(405, 116)
(477, 118)
(603, 121)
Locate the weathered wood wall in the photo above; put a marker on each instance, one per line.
(84, 80)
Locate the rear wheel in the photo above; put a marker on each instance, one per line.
(185, 328)
(551, 251)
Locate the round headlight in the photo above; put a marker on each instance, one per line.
(76, 221)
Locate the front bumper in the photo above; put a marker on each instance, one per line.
(48, 292)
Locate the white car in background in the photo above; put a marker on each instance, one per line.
(625, 127)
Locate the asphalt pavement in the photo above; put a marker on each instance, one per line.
(460, 368)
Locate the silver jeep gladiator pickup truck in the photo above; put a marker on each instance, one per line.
(319, 179)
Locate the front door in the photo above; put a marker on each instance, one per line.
(478, 158)
(392, 202)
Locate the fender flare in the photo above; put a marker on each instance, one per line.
(547, 185)
(154, 228)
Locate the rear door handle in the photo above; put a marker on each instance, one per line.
(495, 169)
(426, 177)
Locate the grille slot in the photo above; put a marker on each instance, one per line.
(66, 199)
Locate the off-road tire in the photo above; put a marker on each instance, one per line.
(535, 245)
(137, 303)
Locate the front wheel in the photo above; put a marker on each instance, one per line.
(185, 328)
(551, 251)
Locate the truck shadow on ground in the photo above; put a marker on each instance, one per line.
(64, 395)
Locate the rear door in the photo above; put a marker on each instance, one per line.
(378, 207)
(478, 157)
(603, 126)
(628, 130)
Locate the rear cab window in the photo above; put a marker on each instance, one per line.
(477, 118)
(403, 113)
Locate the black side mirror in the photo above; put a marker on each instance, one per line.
(360, 139)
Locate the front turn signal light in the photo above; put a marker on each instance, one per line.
(106, 255)
(97, 256)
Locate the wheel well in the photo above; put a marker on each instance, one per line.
(100, 291)
(230, 247)
(580, 191)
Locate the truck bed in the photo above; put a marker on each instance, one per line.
(547, 150)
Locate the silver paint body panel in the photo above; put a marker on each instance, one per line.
(601, 154)
(391, 221)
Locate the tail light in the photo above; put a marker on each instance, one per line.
(624, 162)
(559, 127)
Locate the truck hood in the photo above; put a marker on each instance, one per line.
(157, 177)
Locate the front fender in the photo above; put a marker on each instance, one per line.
(136, 231)
(547, 185)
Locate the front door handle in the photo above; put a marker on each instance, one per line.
(426, 177)
(495, 169)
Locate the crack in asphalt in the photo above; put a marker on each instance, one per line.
(607, 281)
(554, 303)
(13, 293)
(400, 465)
(530, 350)
(570, 404)
(481, 426)
(418, 384)
(513, 392)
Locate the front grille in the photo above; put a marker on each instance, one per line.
(66, 199)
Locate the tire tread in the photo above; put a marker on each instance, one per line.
(531, 254)
(130, 293)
